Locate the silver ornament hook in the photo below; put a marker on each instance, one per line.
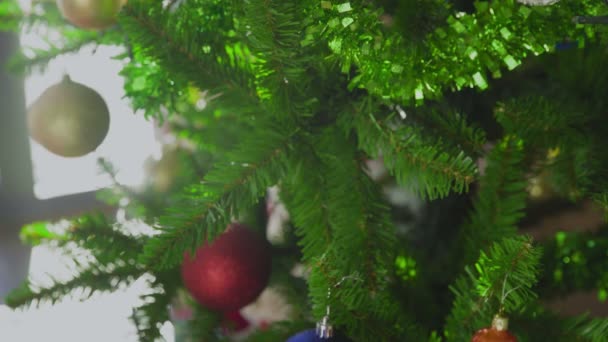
(324, 328)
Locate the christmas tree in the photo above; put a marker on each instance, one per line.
(473, 106)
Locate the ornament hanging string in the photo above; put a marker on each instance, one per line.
(324, 328)
(505, 294)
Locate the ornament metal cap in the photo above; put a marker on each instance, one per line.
(500, 323)
(324, 328)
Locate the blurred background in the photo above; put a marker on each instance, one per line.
(38, 185)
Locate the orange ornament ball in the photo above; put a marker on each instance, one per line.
(69, 119)
(496, 333)
(91, 14)
(493, 335)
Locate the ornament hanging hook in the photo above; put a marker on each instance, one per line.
(505, 294)
(324, 328)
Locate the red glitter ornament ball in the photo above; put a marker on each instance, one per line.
(497, 333)
(230, 272)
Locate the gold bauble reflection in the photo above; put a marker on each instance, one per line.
(69, 119)
(91, 14)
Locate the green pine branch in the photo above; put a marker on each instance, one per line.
(500, 200)
(157, 305)
(274, 33)
(47, 16)
(203, 325)
(73, 40)
(590, 329)
(417, 163)
(160, 91)
(452, 128)
(569, 172)
(94, 278)
(361, 229)
(358, 217)
(106, 241)
(186, 55)
(602, 200)
(227, 190)
(542, 122)
(13, 18)
(501, 281)
(150, 316)
(304, 192)
(537, 323)
(361, 314)
(40, 58)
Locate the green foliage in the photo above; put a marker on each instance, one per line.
(451, 129)
(91, 279)
(500, 200)
(417, 163)
(148, 83)
(501, 281)
(542, 122)
(105, 241)
(592, 330)
(234, 185)
(300, 94)
(68, 39)
(41, 14)
(273, 35)
(151, 315)
(304, 192)
(114, 255)
(37, 232)
(202, 325)
(10, 15)
(575, 262)
(415, 25)
(456, 55)
(360, 227)
(73, 40)
(189, 57)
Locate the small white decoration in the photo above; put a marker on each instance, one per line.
(537, 2)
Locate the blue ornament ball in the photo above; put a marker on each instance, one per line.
(311, 336)
(566, 45)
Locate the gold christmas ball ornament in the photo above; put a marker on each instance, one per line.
(69, 119)
(91, 14)
(166, 171)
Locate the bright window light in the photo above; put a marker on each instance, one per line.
(130, 140)
(129, 143)
(102, 318)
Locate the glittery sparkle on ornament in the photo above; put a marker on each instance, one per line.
(230, 272)
(496, 333)
(69, 119)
